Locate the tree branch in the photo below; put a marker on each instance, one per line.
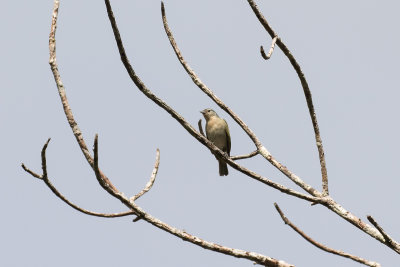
(152, 179)
(250, 155)
(46, 180)
(61, 89)
(321, 246)
(258, 258)
(271, 49)
(388, 239)
(306, 90)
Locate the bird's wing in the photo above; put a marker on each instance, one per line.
(228, 139)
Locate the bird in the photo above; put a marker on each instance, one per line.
(217, 131)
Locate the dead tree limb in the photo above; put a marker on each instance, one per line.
(44, 177)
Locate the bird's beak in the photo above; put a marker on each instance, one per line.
(202, 112)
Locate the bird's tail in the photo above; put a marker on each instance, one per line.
(223, 168)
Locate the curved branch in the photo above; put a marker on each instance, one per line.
(61, 89)
(60, 86)
(321, 246)
(271, 49)
(258, 258)
(150, 183)
(306, 90)
(261, 149)
(46, 180)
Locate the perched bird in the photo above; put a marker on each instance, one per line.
(217, 131)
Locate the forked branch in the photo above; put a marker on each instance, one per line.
(44, 177)
(306, 89)
(257, 258)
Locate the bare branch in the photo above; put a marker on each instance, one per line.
(357, 222)
(142, 87)
(258, 258)
(44, 165)
(271, 49)
(250, 155)
(34, 174)
(306, 90)
(262, 150)
(321, 246)
(388, 239)
(46, 180)
(61, 89)
(152, 178)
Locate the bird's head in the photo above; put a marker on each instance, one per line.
(208, 113)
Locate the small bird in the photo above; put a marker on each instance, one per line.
(217, 131)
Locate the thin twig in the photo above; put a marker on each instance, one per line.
(46, 180)
(388, 239)
(271, 49)
(44, 164)
(321, 246)
(258, 258)
(262, 150)
(152, 178)
(250, 155)
(306, 90)
(34, 174)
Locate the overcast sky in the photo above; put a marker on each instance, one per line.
(349, 53)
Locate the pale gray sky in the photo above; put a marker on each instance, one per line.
(349, 53)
